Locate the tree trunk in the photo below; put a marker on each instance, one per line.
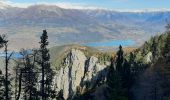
(42, 84)
(6, 73)
(19, 91)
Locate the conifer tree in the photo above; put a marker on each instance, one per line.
(116, 78)
(47, 72)
(115, 85)
(154, 49)
(2, 78)
(119, 60)
(166, 50)
(29, 75)
(131, 58)
(2, 86)
(4, 43)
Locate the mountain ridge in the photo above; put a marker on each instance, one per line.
(61, 24)
(4, 4)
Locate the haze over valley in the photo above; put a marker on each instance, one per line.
(78, 26)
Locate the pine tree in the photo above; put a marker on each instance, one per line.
(115, 85)
(29, 75)
(4, 43)
(119, 60)
(131, 58)
(2, 78)
(47, 72)
(2, 86)
(154, 48)
(116, 79)
(166, 50)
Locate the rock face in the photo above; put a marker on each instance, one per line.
(149, 57)
(79, 71)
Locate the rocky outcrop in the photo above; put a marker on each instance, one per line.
(149, 57)
(79, 71)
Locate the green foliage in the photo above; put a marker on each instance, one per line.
(2, 86)
(3, 40)
(155, 45)
(120, 59)
(139, 57)
(59, 53)
(116, 87)
(119, 79)
(166, 49)
(47, 71)
(26, 73)
(104, 57)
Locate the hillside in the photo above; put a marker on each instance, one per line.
(82, 72)
(59, 53)
(153, 82)
(148, 74)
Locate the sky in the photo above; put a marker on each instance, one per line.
(107, 4)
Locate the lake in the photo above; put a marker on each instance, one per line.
(113, 43)
(15, 54)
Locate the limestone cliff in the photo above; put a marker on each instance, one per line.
(79, 71)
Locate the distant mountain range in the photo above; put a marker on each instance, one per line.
(23, 26)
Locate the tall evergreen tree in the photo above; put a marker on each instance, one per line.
(4, 43)
(154, 48)
(47, 72)
(131, 58)
(116, 78)
(2, 78)
(29, 75)
(166, 50)
(115, 85)
(119, 60)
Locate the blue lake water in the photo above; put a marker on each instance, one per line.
(15, 54)
(114, 43)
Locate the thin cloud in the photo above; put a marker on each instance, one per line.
(68, 5)
(59, 4)
(74, 6)
(9, 3)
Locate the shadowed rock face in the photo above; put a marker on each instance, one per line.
(79, 71)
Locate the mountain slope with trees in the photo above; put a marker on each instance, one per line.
(140, 75)
(80, 73)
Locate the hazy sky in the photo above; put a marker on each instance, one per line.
(110, 4)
